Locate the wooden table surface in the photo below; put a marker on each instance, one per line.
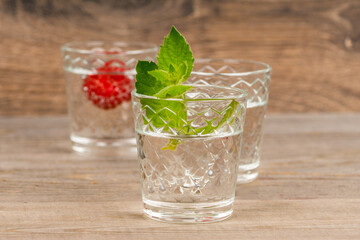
(309, 186)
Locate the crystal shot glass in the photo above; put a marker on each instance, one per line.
(254, 78)
(100, 76)
(189, 157)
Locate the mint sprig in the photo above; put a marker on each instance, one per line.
(164, 80)
(175, 63)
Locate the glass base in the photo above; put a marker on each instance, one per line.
(248, 172)
(103, 147)
(188, 212)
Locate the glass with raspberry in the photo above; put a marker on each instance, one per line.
(99, 79)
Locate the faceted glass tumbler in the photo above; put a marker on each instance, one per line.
(254, 78)
(189, 151)
(99, 79)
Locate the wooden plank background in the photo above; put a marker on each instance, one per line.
(313, 46)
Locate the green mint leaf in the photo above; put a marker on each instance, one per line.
(145, 83)
(173, 76)
(172, 144)
(226, 114)
(166, 114)
(229, 112)
(161, 76)
(176, 53)
(171, 68)
(173, 91)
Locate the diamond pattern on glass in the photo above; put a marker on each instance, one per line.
(257, 86)
(202, 168)
(199, 170)
(88, 64)
(198, 115)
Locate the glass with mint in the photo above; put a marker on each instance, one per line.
(188, 138)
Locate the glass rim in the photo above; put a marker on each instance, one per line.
(241, 95)
(75, 47)
(266, 68)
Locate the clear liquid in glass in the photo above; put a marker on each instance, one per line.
(196, 182)
(252, 138)
(94, 129)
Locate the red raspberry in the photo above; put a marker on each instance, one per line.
(110, 87)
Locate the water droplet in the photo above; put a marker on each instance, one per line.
(210, 172)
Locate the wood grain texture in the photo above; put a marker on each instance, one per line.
(309, 186)
(313, 46)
